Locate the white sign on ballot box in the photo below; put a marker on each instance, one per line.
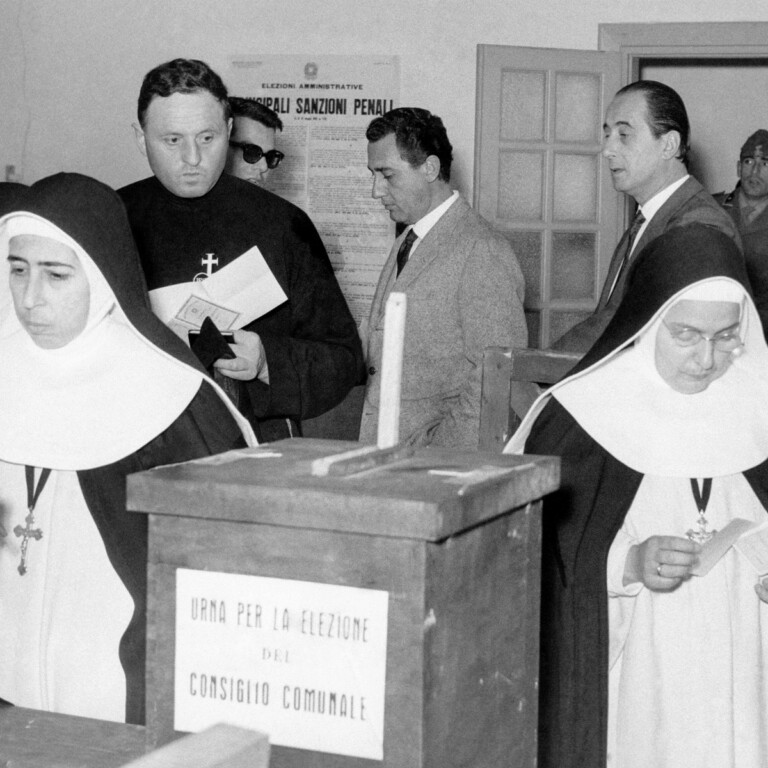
(303, 662)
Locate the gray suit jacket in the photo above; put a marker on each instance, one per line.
(464, 290)
(689, 204)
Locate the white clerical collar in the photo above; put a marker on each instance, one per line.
(425, 223)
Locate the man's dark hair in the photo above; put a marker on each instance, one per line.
(181, 76)
(255, 110)
(418, 134)
(666, 112)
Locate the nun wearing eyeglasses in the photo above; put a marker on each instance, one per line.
(92, 387)
(663, 433)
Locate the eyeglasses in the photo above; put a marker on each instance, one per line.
(722, 341)
(252, 153)
(749, 162)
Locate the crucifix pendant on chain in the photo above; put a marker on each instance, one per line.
(26, 533)
(701, 497)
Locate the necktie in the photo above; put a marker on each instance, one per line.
(614, 283)
(405, 249)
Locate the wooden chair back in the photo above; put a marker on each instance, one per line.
(512, 380)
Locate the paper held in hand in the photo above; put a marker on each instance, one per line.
(232, 297)
(749, 539)
(391, 370)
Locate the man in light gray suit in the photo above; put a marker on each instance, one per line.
(462, 280)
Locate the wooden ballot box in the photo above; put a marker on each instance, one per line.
(389, 616)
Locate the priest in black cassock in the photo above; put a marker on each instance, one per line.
(92, 387)
(191, 221)
(652, 655)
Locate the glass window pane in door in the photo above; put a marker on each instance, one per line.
(576, 104)
(520, 185)
(527, 248)
(522, 105)
(574, 256)
(575, 188)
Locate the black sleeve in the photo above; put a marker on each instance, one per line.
(315, 356)
(580, 521)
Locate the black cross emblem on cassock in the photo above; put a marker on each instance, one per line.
(26, 533)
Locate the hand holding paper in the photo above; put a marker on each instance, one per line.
(661, 562)
(250, 360)
(232, 297)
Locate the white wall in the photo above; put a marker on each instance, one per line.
(71, 69)
(725, 105)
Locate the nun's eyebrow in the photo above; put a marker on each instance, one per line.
(678, 326)
(56, 264)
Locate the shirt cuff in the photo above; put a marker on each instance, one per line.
(617, 559)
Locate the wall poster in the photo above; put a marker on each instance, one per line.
(325, 104)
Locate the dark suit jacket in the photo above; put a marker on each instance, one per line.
(690, 204)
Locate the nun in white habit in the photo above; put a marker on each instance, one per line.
(663, 433)
(92, 388)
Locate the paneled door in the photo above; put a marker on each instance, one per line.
(540, 178)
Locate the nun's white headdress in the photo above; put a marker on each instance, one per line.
(618, 397)
(125, 378)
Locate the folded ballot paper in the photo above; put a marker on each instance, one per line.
(232, 297)
(749, 539)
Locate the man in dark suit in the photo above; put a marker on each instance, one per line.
(302, 357)
(747, 205)
(463, 284)
(646, 144)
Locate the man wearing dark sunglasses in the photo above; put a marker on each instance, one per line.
(252, 154)
(190, 220)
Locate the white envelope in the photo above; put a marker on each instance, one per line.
(232, 297)
(749, 539)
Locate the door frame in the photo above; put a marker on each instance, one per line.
(706, 39)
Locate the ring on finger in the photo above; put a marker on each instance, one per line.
(658, 569)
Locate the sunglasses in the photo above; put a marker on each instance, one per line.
(252, 153)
